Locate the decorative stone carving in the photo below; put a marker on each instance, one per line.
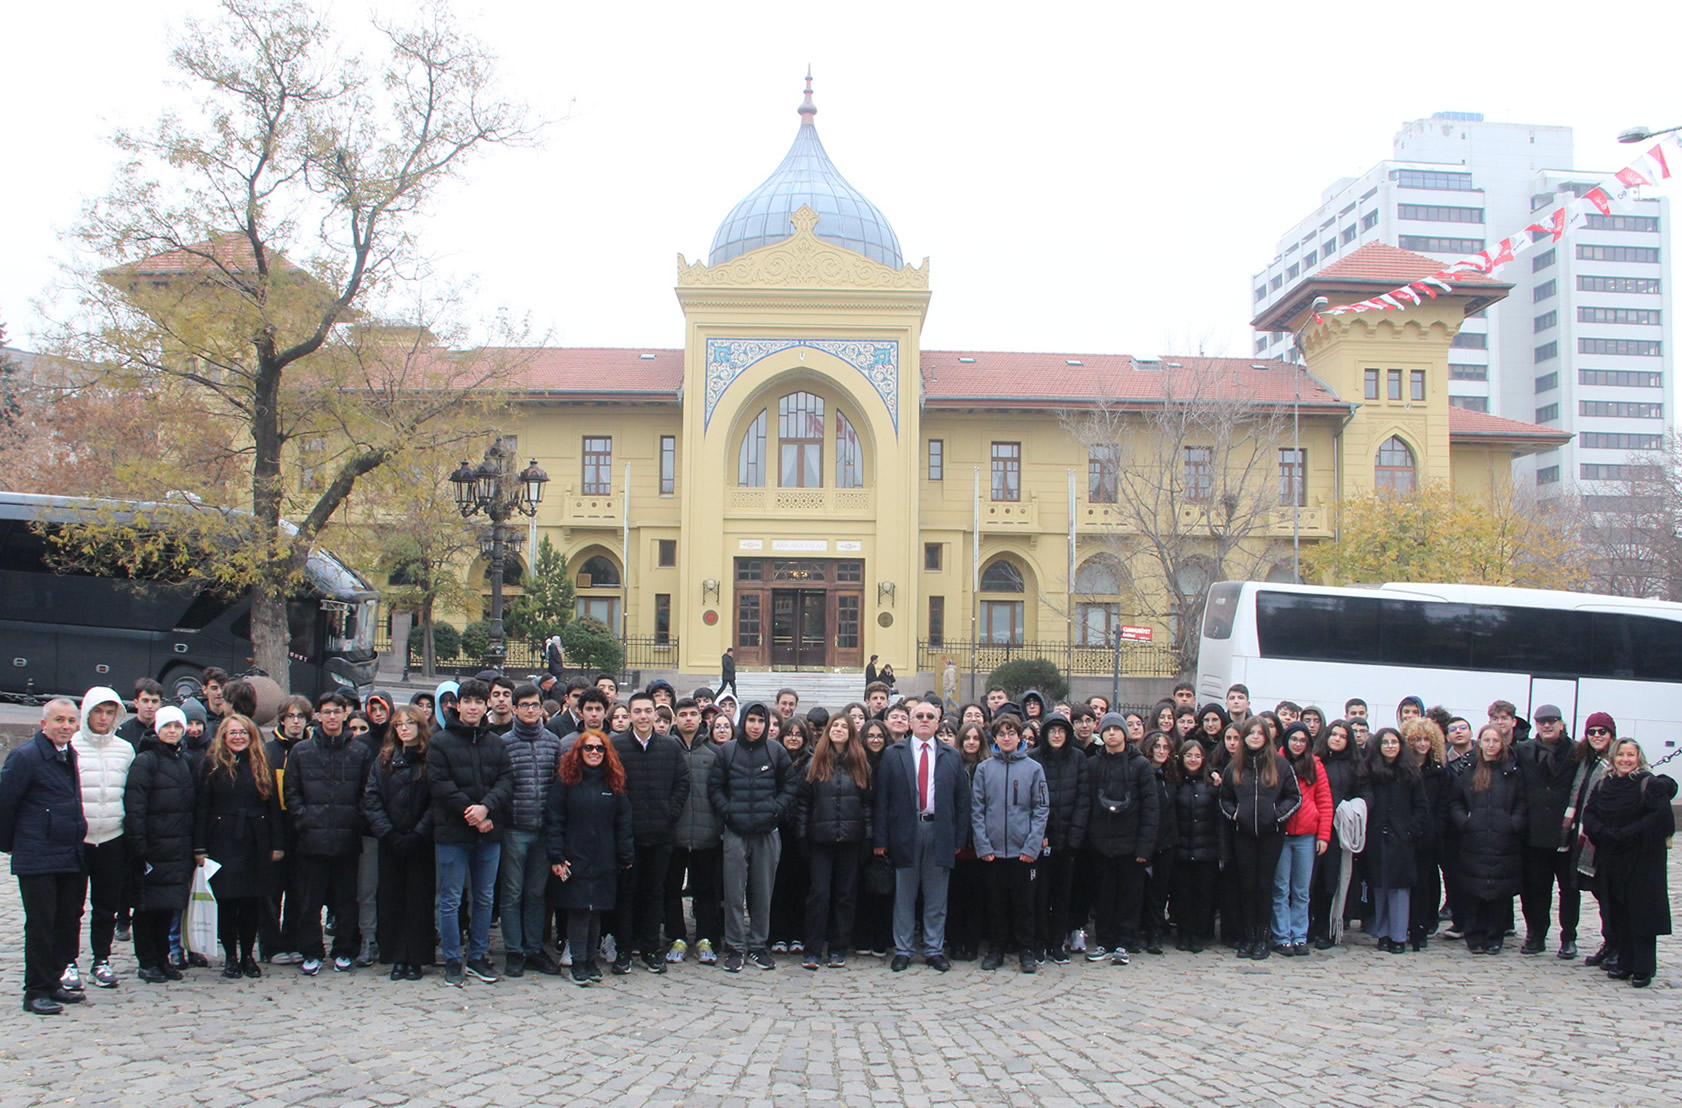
(877, 360)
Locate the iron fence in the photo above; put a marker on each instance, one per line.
(1138, 659)
(520, 656)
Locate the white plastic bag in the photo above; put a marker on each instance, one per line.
(198, 924)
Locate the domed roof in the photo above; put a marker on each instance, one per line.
(806, 176)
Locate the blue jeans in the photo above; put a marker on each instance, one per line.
(1291, 883)
(457, 864)
(525, 888)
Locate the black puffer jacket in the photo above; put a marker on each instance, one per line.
(1256, 808)
(1066, 782)
(397, 802)
(751, 785)
(1435, 781)
(1396, 820)
(1491, 826)
(827, 813)
(588, 827)
(1127, 780)
(533, 757)
(323, 794)
(657, 782)
(1202, 828)
(1168, 823)
(237, 827)
(467, 766)
(1547, 772)
(160, 803)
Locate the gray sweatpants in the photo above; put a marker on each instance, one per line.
(750, 870)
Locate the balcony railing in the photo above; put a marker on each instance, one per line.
(825, 502)
(1138, 659)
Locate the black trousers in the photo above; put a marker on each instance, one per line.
(1194, 898)
(1486, 920)
(1256, 858)
(330, 881)
(236, 924)
(966, 905)
(584, 935)
(1053, 894)
(789, 892)
(1010, 903)
(704, 872)
(642, 888)
(279, 929)
(407, 924)
(1118, 886)
(107, 881)
(1637, 952)
(1449, 859)
(52, 924)
(1542, 867)
(1159, 884)
(1426, 896)
(832, 897)
(151, 936)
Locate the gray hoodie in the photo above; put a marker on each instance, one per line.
(1010, 805)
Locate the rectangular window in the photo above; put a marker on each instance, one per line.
(937, 459)
(1641, 348)
(1643, 317)
(1591, 252)
(1329, 247)
(937, 621)
(1200, 472)
(747, 619)
(1369, 221)
(1347, 235)
(1261, 344)
(1393, 379)
(1437, 244)
(1544, 260)
(934, 556)
(1416, 385)
(1309, 259)
(1276, 283)
(1547, 382)
(1465, 371)
(1439, 213)
(1543, 291)
(1001, 622)
(1548, 475)
(1547, 352)
(1432, 179)
(1372, 384)
(1095, 622)
(662, 618)
(750, 569)
(1547, 413)
(847, 607)
(1261, 292)
(1621, 378)
(1293, 487)
(1545, 321)
(1620, 409)
(849, 572)
(800, 429)
(598, 466)
(1291, 273)
(665, 553)
(1007, 471)
(1598, 471)
(668, 465)
(1648, 223)
(1102, 475)
(1618, 440)
(1470, 403)
(1647, 286)
(1471, 340)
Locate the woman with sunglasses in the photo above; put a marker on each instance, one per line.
(1630, 822)
(1594, 762)
(587, 830)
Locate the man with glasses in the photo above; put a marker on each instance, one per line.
(1546, 766)
(922, 808)
(533, 753)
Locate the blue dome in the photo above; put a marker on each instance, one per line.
(806, 176)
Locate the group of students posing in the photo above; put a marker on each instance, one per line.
(902, 827)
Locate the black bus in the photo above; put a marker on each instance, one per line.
(61, 633)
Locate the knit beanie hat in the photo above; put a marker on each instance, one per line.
(1602, 719)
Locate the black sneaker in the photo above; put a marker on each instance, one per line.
(1057, 955)
(482, 969)
(1028, 964)
(542, 963)
(762, 959)
(733, 962)
(580, 974)
(622, 966)
(654, 963)
(837, 959)
(595, 970)
(453, 975)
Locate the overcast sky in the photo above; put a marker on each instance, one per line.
(1094, 178)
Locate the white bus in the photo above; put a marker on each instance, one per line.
(1460, 646)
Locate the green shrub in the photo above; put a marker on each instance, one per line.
(590, 645)
(476, 639)
(1022, 674)
(446, 640)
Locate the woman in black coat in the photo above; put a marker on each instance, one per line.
(587, 831)
(159, 807)
(397, 803)
(1629, 820)
(1396, 819)
(832, 814)
(1425, 738)
(238, 827)
(1259, 794)
(1159, 883)
(1202, 833)
(1488, 812)
(1066, 767)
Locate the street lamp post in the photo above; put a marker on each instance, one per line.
(491, 489)
(1299, 470)
(1642, 134)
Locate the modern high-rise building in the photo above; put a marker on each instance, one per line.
(1583, 342)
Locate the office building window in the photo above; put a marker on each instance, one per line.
(598, 466)
(1543, 291)
(1547, 382)
(1347, 235)
(1431, 179)
(1599, 471)
(1643, 285)
(1618, 440)
(1369, 221)
(1291, 273)
(668, 465)
(1621, 378)
(1620, 409)
(1545, 321)
(1007, 471)
(1547, 413)
(1544, 260)
(1547, 475)
(1471, 340)
(1641, 348)
(1261, 292)
(1437, 244)
(1470, 403)
(1591, 252)
(1465, 371)
(1439, 213)
(1546, 352)
(1648, 223)
(1276, 283)
(1641, 317)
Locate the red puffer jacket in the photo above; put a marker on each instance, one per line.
(1315, 815)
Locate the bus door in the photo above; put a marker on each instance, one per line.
(1558, 691)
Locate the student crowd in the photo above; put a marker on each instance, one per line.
(898, 828)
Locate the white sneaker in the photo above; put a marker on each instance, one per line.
(71, 978)
(610, 949)
(678, 952)
(704, 951)
(1077, 939)
(309, 967)
(566, 954)
(103, 975)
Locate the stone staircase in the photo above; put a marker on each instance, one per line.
(829, 690)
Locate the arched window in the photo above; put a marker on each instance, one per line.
(598, 572)
(1002, 576)
(800, 426)
(849, 459)
(598, 591)
(1394, 470)
(750, 462)
(1003, 620)
(513, 571)
(1098, 585)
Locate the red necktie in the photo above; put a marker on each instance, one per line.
(923, 779)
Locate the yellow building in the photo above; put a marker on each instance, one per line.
(803, 481)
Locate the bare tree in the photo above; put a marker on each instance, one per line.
(1634, 535)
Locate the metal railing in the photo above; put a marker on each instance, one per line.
(1138, 659)
(641, 652)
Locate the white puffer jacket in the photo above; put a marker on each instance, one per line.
(103, 762)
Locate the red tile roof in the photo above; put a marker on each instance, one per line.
(1369, 271)
(1386, 264)
(231, 252)
(607, 371)
(1055, 380)
(1465, 425)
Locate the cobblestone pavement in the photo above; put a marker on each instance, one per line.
(1351, 1026)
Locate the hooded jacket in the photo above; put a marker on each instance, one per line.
(322, 788)
(467, 766)
(1066, 785)
(1122, 800)
(533, 755)
(378, 731)
(1009, 806)
(160, 803)
(196, 749)
(102, 764)
(1035, 695)
(438, 720)
(1314, 816)
(752, 783)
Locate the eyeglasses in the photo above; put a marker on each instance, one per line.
(594, 748)
(1600, 731)
(924, 716)
(1547, 719)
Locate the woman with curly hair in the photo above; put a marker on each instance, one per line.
(237, 825)
(587, 830)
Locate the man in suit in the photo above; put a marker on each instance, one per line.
(922, 807)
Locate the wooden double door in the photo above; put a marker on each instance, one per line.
(799, 614)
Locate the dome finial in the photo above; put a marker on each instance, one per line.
(808, 109)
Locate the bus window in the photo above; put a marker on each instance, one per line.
(1545, 642)
(1219, 608)
(1635, 646)
(1425, 635)
(1317, 628)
